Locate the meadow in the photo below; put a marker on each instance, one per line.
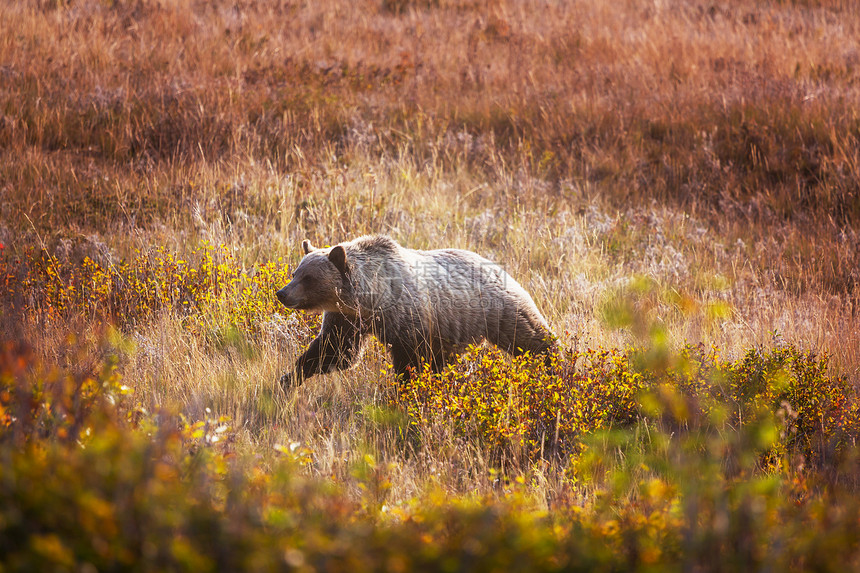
(675, 182)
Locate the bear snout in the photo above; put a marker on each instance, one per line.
(285, 298)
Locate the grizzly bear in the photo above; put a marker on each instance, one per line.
(423, 306)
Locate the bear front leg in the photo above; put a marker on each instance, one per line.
(337, 346)
(311, 361)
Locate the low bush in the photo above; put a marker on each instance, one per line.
(90, 480)
(524, 406)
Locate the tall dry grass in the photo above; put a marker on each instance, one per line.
(697, 161)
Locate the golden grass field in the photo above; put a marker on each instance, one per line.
(658, 175)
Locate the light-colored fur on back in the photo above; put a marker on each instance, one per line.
(455, 296)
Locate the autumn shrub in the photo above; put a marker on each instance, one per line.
(151, 492)
(522, 405)
(209, 291)
(706, 493)
(816, 412)
(90, 480)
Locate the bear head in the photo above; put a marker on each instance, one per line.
(320, 282)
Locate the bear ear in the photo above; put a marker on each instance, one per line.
(337, 256)
(307, 247)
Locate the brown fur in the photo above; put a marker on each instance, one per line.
(423, 305)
